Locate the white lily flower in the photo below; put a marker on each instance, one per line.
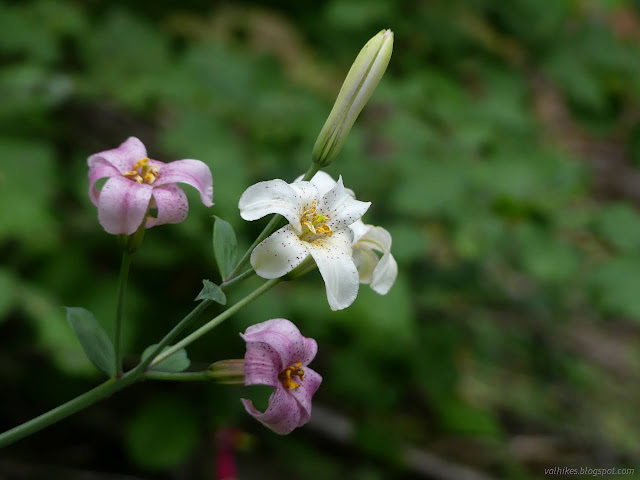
(318, 226)
(380, 272)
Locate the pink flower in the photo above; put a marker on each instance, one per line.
(278, 355)
(137, 183)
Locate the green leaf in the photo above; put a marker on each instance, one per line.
(225, 246)
(162, 434)
(94, 340)
(211, 291)
(175, 363)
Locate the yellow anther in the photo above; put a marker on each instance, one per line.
(293, 370)
(324, 230)
(149, 178)
(143, 172)
(310, 211)
(141, 163)
(314, 223)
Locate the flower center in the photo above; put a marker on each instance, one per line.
(143, 172)
(314, 223)
(294, 370)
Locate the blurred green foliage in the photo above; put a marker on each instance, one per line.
(500, 150)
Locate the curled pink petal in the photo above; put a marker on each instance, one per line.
(171, 203)
(278, 355)
(282, 415)
(122, 205)
(282, 336)
(99, 169)
(305, 392)
(122, 158)
(310, 351)
(191, 172)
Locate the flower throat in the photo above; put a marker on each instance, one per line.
(143, 172)
(314, 223)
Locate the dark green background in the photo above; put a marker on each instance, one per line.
(501, 150)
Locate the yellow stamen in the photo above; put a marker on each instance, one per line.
(314, 223)
(293, 370)
(143, 172)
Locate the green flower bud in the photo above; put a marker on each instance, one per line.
(229, 372)
(361, 81)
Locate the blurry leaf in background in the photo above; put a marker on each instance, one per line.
(616, 286)
(27, 167)
(619, 225)
(162, 433)
(8, 292)
(94, 340)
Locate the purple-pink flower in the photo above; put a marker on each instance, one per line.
(278, 355)
(137, 184)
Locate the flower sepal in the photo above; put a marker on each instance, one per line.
(227, 372)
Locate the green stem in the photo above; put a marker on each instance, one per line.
(212, 323)
(122, 289)
(175, 331)
(100, 392)
(178, 377)
(268, 230)
(226, 285)
(112, 385)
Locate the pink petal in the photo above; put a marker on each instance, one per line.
(282, 415)
(99, 169)
(122, 205)
(282, 336)
(191, 172)
(310, 350)
(305, 392)
(262, 364)
(172, 205)
(124, 157)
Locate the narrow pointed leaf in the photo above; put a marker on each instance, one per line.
(211, 291)
(175, 363)
(225, 246)
(94, 340)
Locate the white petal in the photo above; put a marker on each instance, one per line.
(385, 272)
(279, 253)
(274, 196)
(307, 192)
(324, 182)
(341, 208)
(359, 230)
(333, 257)
(376, 238)
(366, 261)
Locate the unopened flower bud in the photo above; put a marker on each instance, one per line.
(361, 81)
